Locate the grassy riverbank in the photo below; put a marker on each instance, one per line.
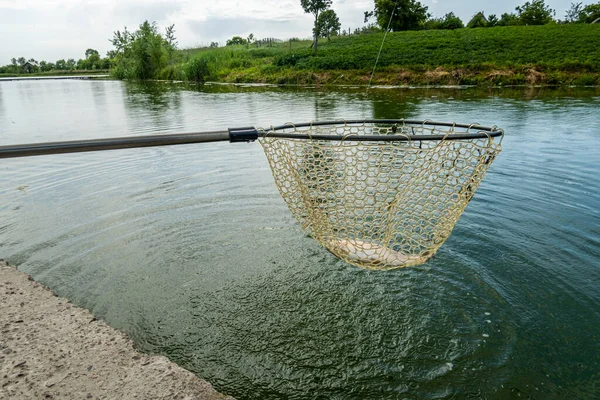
(550, 54)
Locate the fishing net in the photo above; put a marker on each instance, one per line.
(380, 194)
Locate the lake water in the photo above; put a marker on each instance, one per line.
(191, 250)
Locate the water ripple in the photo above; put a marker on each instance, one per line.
(191, 250)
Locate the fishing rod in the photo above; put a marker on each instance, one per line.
(250, 134)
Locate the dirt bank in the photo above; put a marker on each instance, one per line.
(50, 349)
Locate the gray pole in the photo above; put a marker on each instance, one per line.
(77, 146)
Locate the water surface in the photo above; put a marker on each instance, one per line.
(191, 250)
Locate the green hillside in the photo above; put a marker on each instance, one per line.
(555, 54)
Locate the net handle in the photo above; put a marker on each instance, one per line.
(246, 134)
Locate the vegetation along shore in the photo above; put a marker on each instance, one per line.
(528, 47)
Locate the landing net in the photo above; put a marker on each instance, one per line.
(380, 194)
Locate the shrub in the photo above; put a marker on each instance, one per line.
(198, 69)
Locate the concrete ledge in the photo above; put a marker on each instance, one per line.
(50, 349)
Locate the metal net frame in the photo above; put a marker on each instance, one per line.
(379, 194)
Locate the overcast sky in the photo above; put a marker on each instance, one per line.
(54, 29)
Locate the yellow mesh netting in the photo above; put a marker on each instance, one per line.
(380, 204)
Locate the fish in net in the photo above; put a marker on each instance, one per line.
(380, 195)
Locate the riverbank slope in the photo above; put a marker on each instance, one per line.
(555, 54)
(50, 349)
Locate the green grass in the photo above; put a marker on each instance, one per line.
(563, 47)
(551, 54)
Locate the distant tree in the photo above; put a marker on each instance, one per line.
(328, 24)
(432, 23)
(250, 38)
(409, 14)
(121, 40)
(110, 54)
(535, 13)
(71, 64)
(478, 21)
(92, 59)
(451, 21)
(13, 61)
(371, 28)
(214, 45)
(507, 19)
(492, 21)
(140, 55)
(90, 52)
(590, 13)
(61, 65)
(170, 36)
(171, 41)
(21, 61)
(236, 40)
(573, 14)
(315, 7)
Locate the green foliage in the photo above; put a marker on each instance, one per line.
(573, 13)
(315, 7)
(92, 62)
(90, 52)
(550, 46)
(61, 65)
(236, 40)
(142, 54)
(450, 21)
(172, 73)
(478, 21)
(508, 19)
(292, 59)
(535, 13)
(328, 24)
(590, 13)
(409, 14)
(560, 54)
(492, 21)
(198, 69)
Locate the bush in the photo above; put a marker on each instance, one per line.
(291, 59)
(172, 73)
(198, 69)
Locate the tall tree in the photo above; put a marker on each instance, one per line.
(61, 65)
(508, 19)
(590, 13)
(236, 40)
(574, 12)
(492, 21)
(409, 14)
(315, 7)
(170, 39)
(328, 23)
(535, 13)
(90, 52)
